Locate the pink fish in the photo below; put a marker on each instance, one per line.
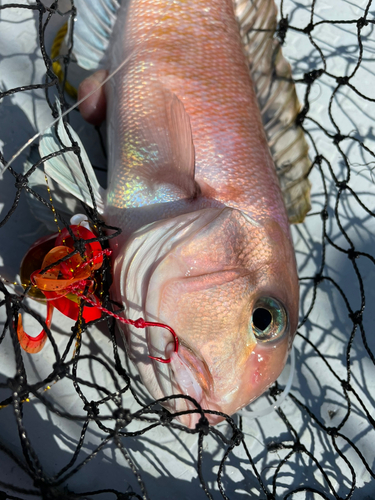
(205, 245)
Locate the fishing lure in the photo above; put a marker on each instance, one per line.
(66, 278)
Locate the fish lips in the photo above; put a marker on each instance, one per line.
(191, 377)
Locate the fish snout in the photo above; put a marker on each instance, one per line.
(192, 378)
(190, 372)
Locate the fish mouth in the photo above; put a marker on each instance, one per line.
(191, 377)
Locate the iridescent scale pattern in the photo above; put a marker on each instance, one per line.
(193, 48)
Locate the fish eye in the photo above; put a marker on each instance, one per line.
(269, 320)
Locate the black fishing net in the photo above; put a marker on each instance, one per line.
(75, 421)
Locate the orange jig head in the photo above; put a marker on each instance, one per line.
(63, 283)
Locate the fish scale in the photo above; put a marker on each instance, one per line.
(206, 69)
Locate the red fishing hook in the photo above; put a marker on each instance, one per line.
(138, 323)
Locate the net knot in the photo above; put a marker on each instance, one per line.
(352, 254)
(123, 417)
(21, 181)
(336, 140)
(42, 9)
(46, 490)
(165, 417)
(341, 185)
(16, 302)
(318, 159)
(203, 425)
(342, 80)
(275, 390)
(301, 117)
(60, 370)
(42, 486)
(362, 22)
(318, 278)
(345, 385)
(237, 437)
(299, 448)
(80, 246)
(332, 431)
(308, 29)
(16, 383)
(324, 214)
(76, 148)
(92, 409)
(282, 29)
(311, 76)
(274, 446)
(356, 317)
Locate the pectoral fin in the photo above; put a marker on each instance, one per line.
(157, 156)
(168, 128)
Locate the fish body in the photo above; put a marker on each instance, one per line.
(195, 53)
(205, 245)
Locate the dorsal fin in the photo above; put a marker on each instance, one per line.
(278, 102)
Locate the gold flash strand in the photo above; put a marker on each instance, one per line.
(56, 65)
(14, 283)
(79, 332)
(4, 280)
(51, 201)
(27, 400)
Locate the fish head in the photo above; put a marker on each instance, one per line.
(228, 287)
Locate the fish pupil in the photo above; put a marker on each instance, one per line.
(262, 318)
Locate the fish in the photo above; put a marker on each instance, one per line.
(194, 111)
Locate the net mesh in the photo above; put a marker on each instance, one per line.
(76, 421)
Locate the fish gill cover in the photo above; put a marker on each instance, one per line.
(75, 421)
